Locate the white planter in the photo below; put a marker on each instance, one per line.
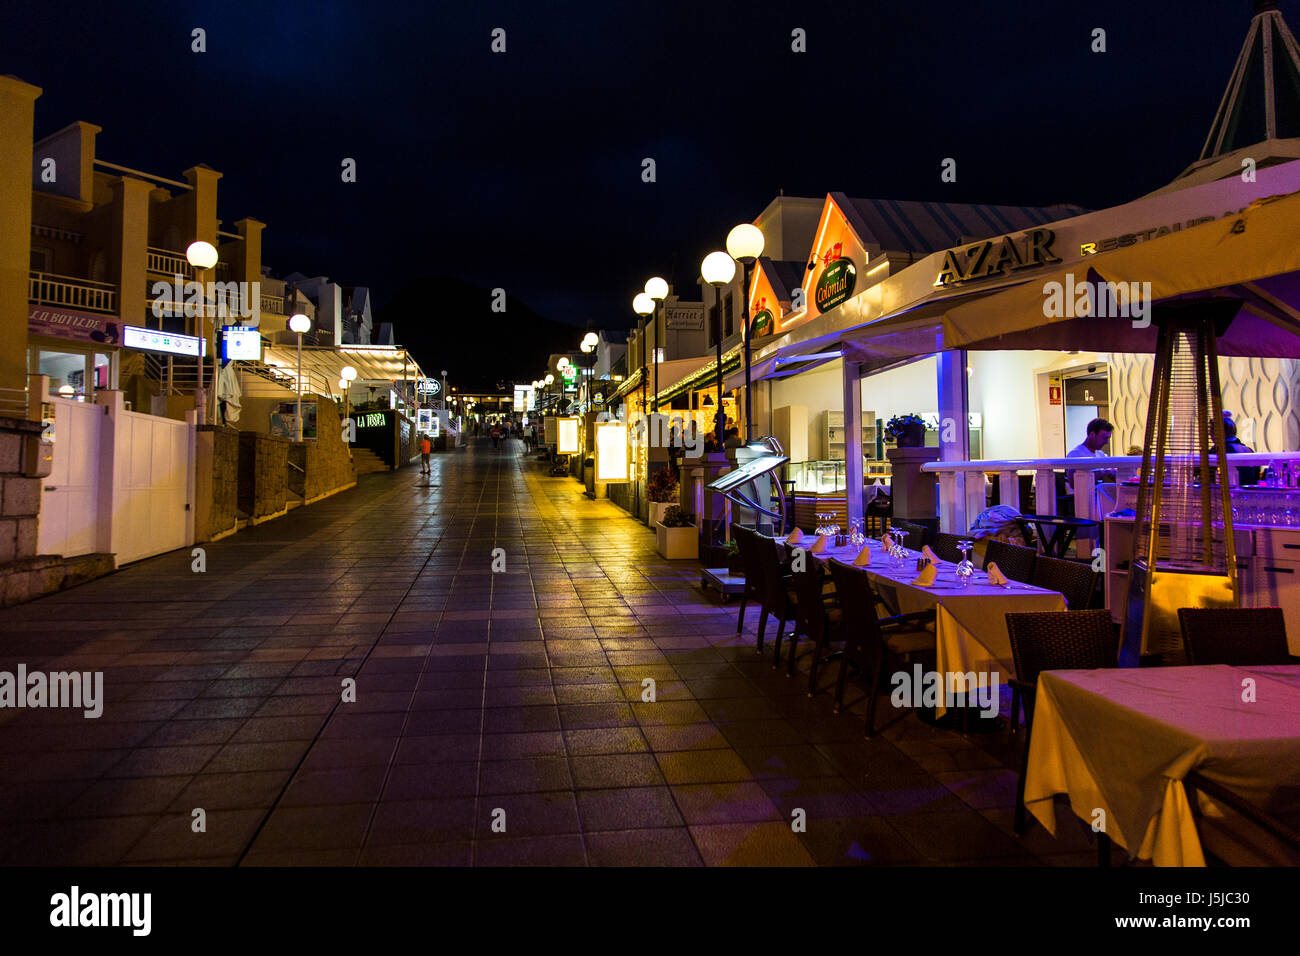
(657, 511)
(677, 543)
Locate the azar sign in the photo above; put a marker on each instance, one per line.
(995, 257)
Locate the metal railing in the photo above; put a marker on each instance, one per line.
(273, 304)
(166, 262)
(46, 288)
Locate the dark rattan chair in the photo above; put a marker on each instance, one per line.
(747, 541)
(1015, 562)
(945, 546)
(817, 617)
(1234, 635)
(868, 639)
(1076, 580)
(1047, 641)
(778, 596)
(917, 535)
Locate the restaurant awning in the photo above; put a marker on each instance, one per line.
(323, 366)
(1254, 257)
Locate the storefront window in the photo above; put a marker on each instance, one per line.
(67, 372)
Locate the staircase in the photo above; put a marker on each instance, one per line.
(366, 462)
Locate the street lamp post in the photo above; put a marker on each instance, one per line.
(657, 289)
(347, 375)
(718, 269)
(745, 244)
(299, 323)
(202, 256)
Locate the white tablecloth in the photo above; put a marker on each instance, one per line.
(1121, 742)
(970, 623)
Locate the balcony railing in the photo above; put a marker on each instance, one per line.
(165, 262)
(273, 304)
(45, 288)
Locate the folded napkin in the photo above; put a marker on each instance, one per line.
(930, 556)
(996, 577)
(795, 537)
(926, 577)
(819, 545)
(863, 558)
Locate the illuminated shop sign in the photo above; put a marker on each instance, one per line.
(371, 419)
(995, 257)
(763, 322)
(836, 283)
(241, 342)
(153, 340)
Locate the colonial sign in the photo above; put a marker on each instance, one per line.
(79, 326)
(763, 322)
(684, 317)
(836, 284)
(995, 257)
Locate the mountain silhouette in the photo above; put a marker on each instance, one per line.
(447, 323)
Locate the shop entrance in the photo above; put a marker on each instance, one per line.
(1069, 397)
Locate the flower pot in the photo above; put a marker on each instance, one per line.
(657, 510)
(677, 543)
(912, 436)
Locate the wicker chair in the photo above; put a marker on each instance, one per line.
(868, 639)
(747, 541)
(817, 617)
(917, 535)
(778, 599)
(1076, 580)
(1015, 562)
(1234, 635)
(945, 546)
(1053, 640)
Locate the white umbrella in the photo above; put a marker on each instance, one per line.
(228, 391)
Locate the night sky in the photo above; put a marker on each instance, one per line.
(522, 170)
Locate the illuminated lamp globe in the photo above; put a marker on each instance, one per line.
(67, 391)
(343, 384)
(562, 364)
(201, 255)
(656, 288)
(718, 268)
(591, 338)
(550, 379)
(299, 323)
(643, 304)
(348, 373)
(587, 347)
(745, 242)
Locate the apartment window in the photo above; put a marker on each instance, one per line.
(41, 259)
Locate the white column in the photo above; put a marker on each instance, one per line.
(954, 442)
(853, 438)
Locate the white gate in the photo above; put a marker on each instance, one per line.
(70, 494)
(152, 485)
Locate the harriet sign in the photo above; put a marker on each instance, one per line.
(995, 257)
(836, 284)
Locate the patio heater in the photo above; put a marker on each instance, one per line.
(1183, 553)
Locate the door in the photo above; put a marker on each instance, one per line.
(153, 494)
(69, 495)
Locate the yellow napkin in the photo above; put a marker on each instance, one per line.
(926, 577)
(819, 545)
(863, 558)
(795, 537)
(930, 556)
(996, 577)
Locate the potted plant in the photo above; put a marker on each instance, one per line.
(676, 535)
(662, 492)
(906, 431)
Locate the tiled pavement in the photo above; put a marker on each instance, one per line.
(482, 699)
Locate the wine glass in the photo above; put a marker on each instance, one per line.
(965, 567)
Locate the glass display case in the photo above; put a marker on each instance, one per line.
(817, 477)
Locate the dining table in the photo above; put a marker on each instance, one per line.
(970, 622)
(1118, 743)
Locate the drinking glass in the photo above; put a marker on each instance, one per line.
(965, 567)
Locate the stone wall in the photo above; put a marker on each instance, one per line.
(327, 461)
(263, 467)
(216, 485)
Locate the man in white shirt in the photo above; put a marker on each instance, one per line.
(1099, 431)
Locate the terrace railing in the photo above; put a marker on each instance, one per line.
(44, 288)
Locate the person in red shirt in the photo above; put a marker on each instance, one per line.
(426, 447)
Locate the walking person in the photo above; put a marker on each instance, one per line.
(426, 447)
